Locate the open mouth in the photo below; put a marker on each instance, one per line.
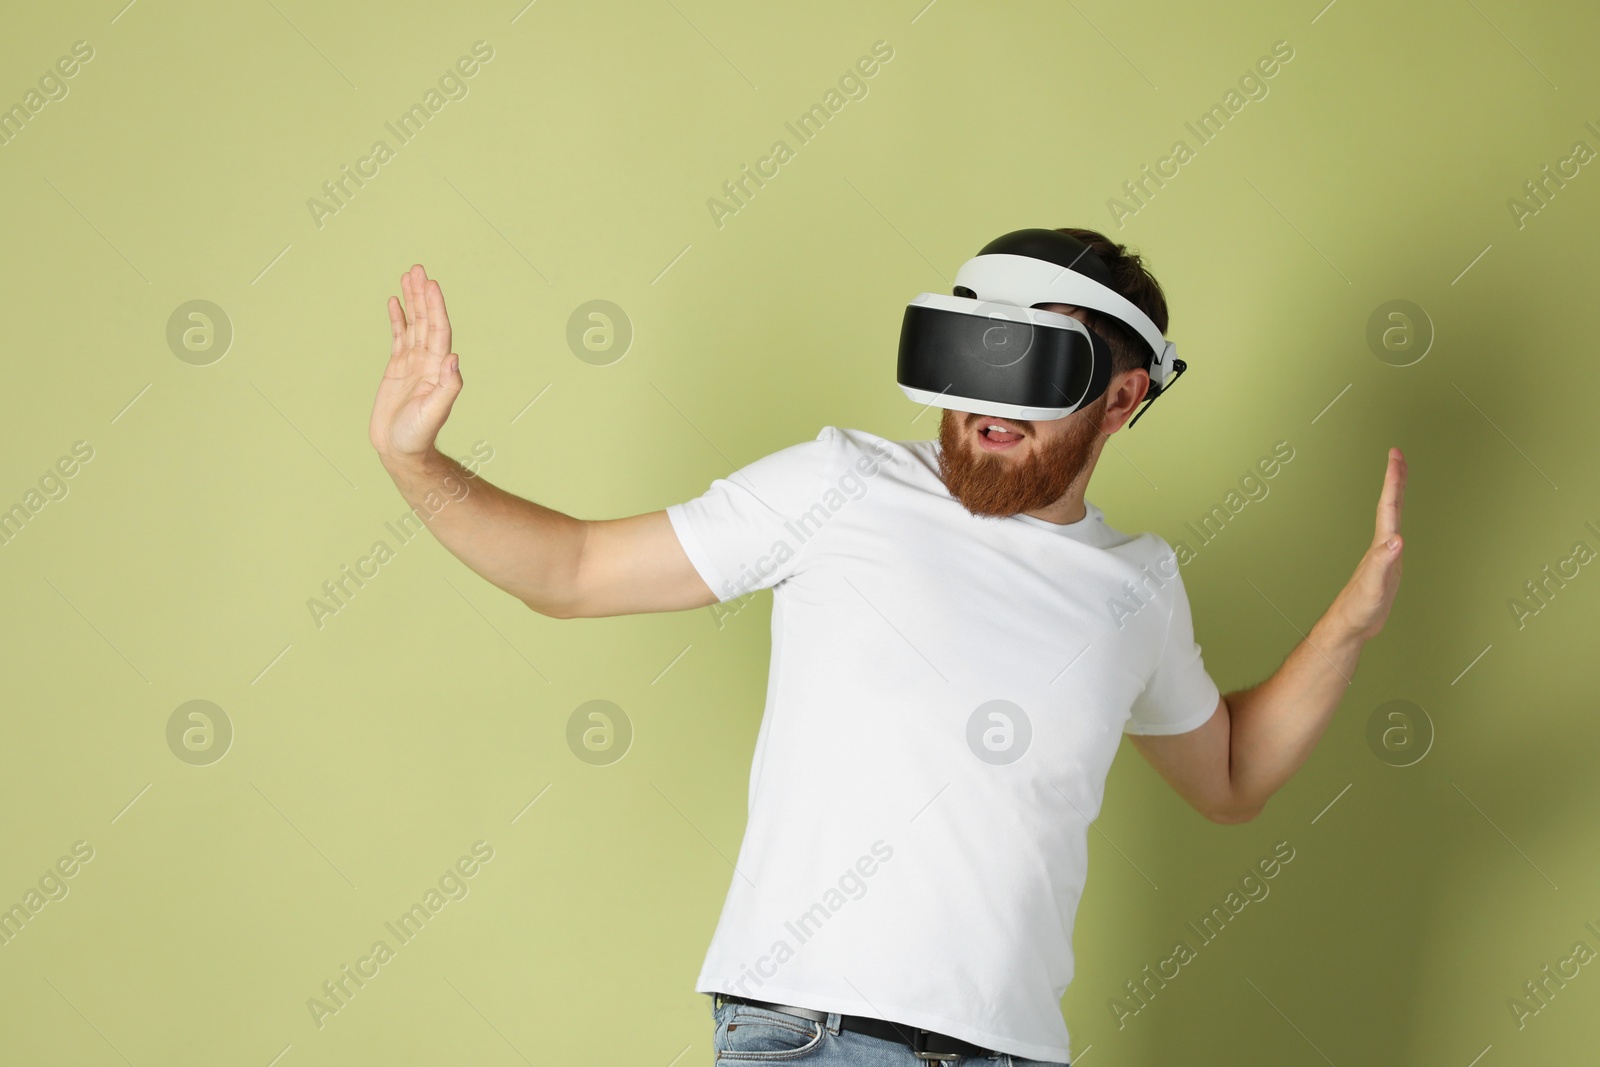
(996, 435)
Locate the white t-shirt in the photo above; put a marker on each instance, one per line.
(945, 697)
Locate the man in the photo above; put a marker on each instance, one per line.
(959, 640)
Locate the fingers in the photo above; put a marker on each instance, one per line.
(1393, 496)
(419, 320)
(406, 308)
(438, 321)
(419, 306)
(397, 328)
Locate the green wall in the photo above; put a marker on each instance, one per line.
(371, 748)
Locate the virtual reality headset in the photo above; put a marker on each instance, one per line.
(986, 349)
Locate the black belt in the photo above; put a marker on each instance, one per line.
(926, 1044)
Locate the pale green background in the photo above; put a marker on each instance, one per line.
(370, 754)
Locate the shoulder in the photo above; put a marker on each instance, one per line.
(1159, 570)
(865, 448)
(869, 453)
(795, 474)
(864, 445)
(1143, 550)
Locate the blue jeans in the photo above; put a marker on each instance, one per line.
(748, 1034)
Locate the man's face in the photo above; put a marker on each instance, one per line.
(1001, 467)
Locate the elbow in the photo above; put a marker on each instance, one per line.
(553, 611)
(1233, 816)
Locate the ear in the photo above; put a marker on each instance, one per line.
(1123, 395)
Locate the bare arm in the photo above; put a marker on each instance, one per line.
(558, 565)
(1259, 737)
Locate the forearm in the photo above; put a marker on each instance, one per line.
(528, 550)
(1275, 725)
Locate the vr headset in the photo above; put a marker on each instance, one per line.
(987, 350)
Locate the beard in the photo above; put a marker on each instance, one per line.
(999, 485)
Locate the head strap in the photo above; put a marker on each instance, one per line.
(1006, 278)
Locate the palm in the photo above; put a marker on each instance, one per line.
(419, 385)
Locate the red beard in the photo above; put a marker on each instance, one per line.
(997, 484)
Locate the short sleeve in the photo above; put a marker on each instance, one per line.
(1180, 695)
(751, 530)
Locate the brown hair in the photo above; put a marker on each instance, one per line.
(1130, 279)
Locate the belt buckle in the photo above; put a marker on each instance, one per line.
(918, 1048)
